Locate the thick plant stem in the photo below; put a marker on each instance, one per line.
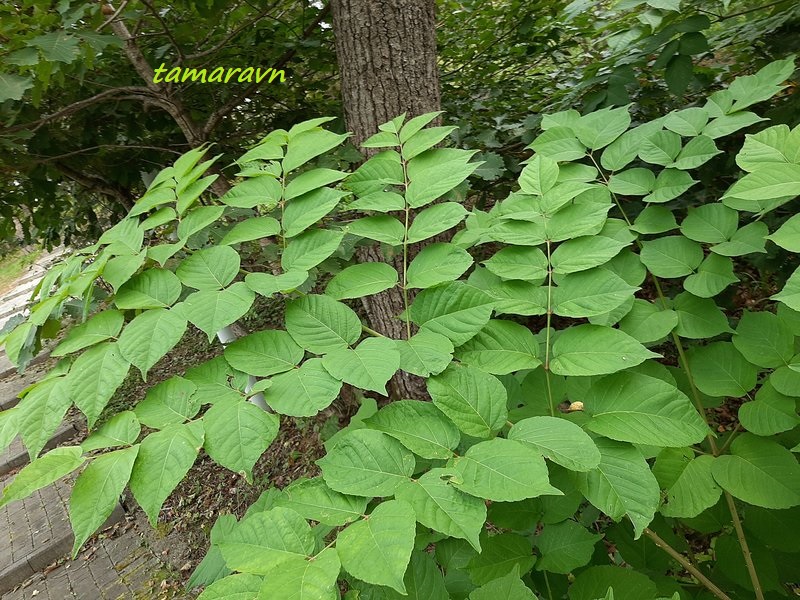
(684, 562)
(748, 558)
(715, 450)
(547, 333)
(405, 255)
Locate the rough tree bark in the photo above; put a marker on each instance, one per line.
(386, 50)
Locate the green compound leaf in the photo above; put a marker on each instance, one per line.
(120, 430)
(237, 433)
(303, 392)
(539, 175)
(265, 191)
(671, 256)
(590, 293)
(209, 269)
(198, 218)
(647, 323)
(250, 229)
(637, 408)
(502, 554)
(313, 499)
(625, 148)
(456, 310)
(267, 284)
(661, 148)
(149, 336)
(596, 350)
(502, 470)
(747, 240)
(624, 583)
(690, 488)
(720, 370)
(508, 587)
(558, 440)
(301, 213)
(423, 140)
(669, 184)
(764, 339)
(264, 353)
(304, 579)
(434, 220)
(43, 471)
(309, 249)
(419, 426)
(436, 172)
(771, 185)
(473, 399)
(790, 294)
(564, 547)
(102, 326)
(698, 318)
(559, 143)
(154, 288)
(241, 586)
(710, 223)
(423, 580)
(437, 263)
(501, 347)
(759, 472)
(772, 145)
(369, 366)
(787, 236)
(518, 262)
(168, 403)
(361, 280)
(308, 144)
(440, 506)
(632, 182)
(696, 152)
(94, 377)
(40, 412)
(367, 463)
(622, 484)
(322, 324)
(770, 413)
(688, 122)
(266, 540)
(97, 490)
(425, 353)
(598, 129)
(585, 252)
(381, 228)
(212, 310)
(164, 459)
(713, 275)
(378, 549)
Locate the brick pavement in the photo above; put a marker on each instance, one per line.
(119, 564)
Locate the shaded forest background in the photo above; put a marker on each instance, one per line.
(83, 127)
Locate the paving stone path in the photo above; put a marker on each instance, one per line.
(121, 563)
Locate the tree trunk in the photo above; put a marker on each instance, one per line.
(386, 50)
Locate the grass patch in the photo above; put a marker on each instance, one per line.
(13, 265)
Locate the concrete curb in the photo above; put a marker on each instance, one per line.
(17, 456)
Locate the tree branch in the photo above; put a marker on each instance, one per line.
(167, 32)
(231, 35)
(216, 117)
(136, 92)
(709, 585)
(44, 159)
(96, 183)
